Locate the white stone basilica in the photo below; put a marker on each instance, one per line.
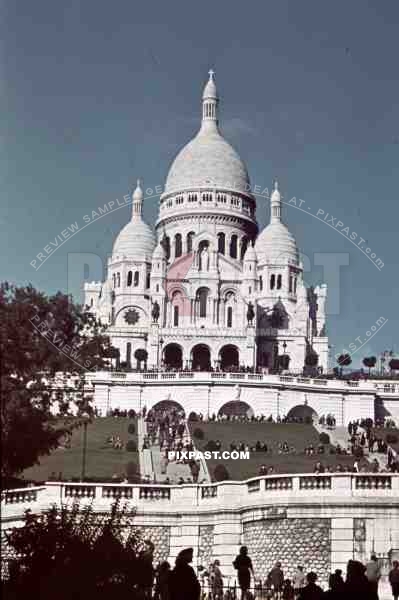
(206, 290)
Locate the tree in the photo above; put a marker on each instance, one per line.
(394, 364)
(344, 360)
(48, 344)
(370, 362)
(141, 355)
(72, 552)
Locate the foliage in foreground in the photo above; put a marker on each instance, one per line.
(40, 338)
(72, 553)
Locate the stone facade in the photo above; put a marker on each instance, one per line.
(160, 537)
(293, 542)
(205, 544)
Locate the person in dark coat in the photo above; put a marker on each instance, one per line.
(394, 579)
(336, 587)
(311, 591)
(243, 564)
(356, 584)
(162, 581)
(276, 577)
(183, 582)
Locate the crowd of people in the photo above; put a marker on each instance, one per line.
(167, 427)
(184, 583)
(244, 418)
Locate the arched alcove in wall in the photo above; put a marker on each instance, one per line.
(302, 412)
(173, 356)
(168, 405)
(236, 408)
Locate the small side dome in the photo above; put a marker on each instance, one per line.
(276, 244)
(250, 254)
(136, 240)
(159, 252)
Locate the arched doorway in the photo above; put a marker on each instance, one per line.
(229, 358)
(173, 356)
(236, 408)
(201, 358)
(168, 406)
(302, 413)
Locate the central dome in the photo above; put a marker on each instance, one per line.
(208, 159)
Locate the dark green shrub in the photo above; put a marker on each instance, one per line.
(198, 433)
(131, 429)
(220, 473)
(324, 438)
(193, 416)
(358, 452)
(131, 446)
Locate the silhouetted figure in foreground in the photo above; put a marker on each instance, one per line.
(243, 564)
(394, 579)
(373, 574)
(311, 591)
(357, 585)
(183, 582)
(162, 581)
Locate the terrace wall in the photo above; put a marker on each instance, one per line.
(265, 394)
(320, 521)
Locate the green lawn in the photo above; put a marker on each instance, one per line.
(101, 460)
(295, 434)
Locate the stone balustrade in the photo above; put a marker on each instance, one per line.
(386, 388)
(331, 488)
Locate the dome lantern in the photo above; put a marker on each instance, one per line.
(210, 102)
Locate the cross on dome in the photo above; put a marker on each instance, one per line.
(211, 74)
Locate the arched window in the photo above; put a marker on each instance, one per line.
(114, 280)
(176, 316)
(148, 280)
(129, 278)
(294, 285)
(244, 246)
(290, 283)
(233, 246)
(221, 243)
(261, 283)
(157, 287)
(136, 278)
(128, 353)
(178, 245)
(190, 237)
(91, 302)
(202, 298)
(229, 316)
(272, 281)
(279, 282)
(166, 247)
(118, 279)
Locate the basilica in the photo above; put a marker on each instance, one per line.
(206, 290)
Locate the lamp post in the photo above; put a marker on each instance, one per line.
(161, 342)
(86, 420)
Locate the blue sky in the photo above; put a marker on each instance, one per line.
(97, 94)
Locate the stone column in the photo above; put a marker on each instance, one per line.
(341, 542)
(226, 542)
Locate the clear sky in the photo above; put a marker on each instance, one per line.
(99, 93)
